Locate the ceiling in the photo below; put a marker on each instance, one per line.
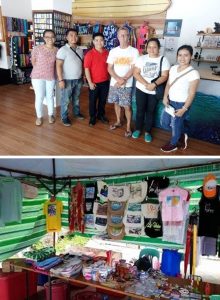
(92, 167)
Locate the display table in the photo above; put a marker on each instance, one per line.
(208, 75)
(79, 279)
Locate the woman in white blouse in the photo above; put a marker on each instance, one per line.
(179, 96)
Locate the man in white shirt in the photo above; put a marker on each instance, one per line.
(121, 61)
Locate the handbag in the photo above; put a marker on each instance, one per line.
(160, 88)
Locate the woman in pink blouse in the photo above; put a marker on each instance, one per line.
(43, 75)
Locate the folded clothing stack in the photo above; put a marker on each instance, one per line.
(40, 254)
(70, 267)
(48, 263)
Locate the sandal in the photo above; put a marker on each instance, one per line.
(128, 134)
(115, 126)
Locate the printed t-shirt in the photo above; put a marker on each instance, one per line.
(44, 67)
(179, 90)
(173, 204)
(72, 65)
(156, 184)
(53, 210)
(149, 70)
(96, 62)
(209, 216)
(123, 60)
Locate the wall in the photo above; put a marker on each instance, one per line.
(17, 9)
(23, 9)
(197, 15)
(64, 5)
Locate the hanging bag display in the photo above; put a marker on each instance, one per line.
(153, 226)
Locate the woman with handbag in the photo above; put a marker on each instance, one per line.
(179, 94)
(151, 70)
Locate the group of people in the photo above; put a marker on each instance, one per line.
(113, 76)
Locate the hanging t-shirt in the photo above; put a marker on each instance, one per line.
(90, 196)
(173, 203)
(155, 185)
(11, 197)
(152, 219)
(52, 210)
(209, 217)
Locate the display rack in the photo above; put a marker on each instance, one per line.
(51, 19)
(19, 43)
(208, 43)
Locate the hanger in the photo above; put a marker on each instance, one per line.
(52, 198)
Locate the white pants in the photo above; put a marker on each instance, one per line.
(43, 88)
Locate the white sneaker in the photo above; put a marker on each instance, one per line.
(38, 122)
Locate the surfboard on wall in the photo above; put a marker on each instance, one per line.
(118, 8)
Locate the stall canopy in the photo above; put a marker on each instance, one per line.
(93, 167)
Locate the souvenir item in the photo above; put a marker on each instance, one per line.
(138, 192)
(116, 233)
(118, 193)
(209, 186)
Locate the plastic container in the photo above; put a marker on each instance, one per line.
(59, 290)
(13, 285)
(170, 264)
(214, 297)
(87, 295)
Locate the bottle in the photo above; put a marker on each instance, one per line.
(207, 289)
(199, 43)
(142, 277)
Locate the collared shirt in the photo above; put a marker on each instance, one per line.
(72, 66)
(96, 62)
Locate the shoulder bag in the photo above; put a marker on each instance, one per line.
(160, 88)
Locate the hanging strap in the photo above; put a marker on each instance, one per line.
(76, 54)
(161, 61)
(175, 80)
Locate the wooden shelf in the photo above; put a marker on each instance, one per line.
(208, 75)
(206, 61)
(208, 34)
(208, 48)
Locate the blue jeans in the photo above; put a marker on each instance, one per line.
(71, 92)
(178, 125)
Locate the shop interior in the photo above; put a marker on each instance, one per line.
(21, 28)
(110, 228)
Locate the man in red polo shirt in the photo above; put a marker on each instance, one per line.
(95, 64)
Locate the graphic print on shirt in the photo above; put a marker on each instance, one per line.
(150, 70)
(51, 210)
(123, 60)
(173, 200)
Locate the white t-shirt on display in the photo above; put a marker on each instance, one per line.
(122, 59)
(150, 69)
(180, 89)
